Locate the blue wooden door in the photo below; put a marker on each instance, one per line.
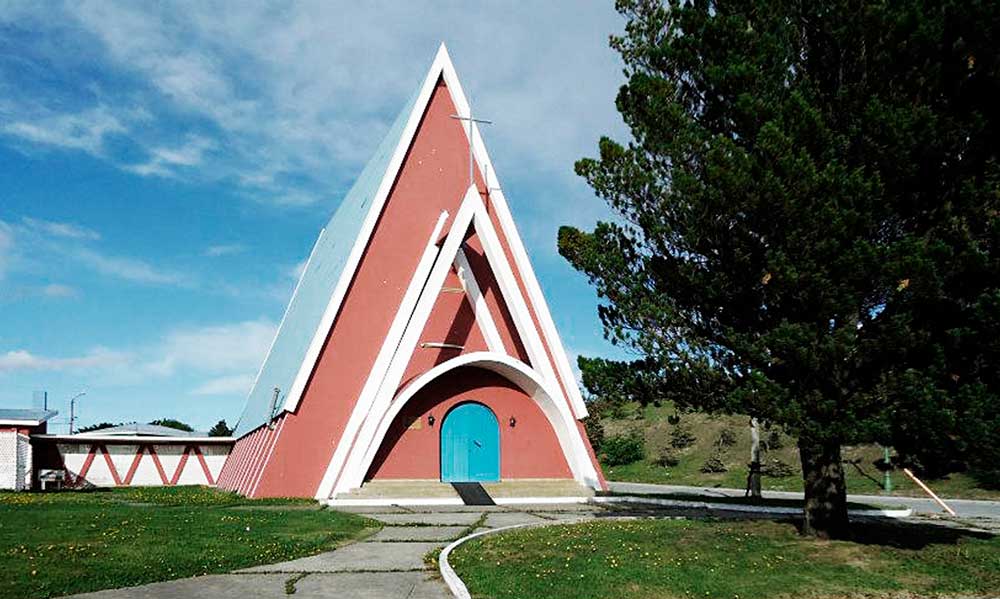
(470, 445)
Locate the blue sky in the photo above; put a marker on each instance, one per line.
(166, 170)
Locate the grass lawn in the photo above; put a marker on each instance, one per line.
(651, 423)
(55, 544)
(643, 559)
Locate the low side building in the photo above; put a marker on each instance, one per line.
(133, 455)
(16, 456)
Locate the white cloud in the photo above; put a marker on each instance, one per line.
(61, 229)
(129, 269)
(296, 271)
(58, 290)
(85, 131)
(228, 249)
(6, 248)
(230, 354)
(299, 95)
(32, 244)
(16, 360)
(225, 385)
(165, 161)
(216, 348)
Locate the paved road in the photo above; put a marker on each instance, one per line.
(388, 565)
(965, 508)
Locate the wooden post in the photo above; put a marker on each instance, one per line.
(929, 492)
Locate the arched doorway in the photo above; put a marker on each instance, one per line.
(470, 444)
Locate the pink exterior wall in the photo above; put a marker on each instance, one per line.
(412, 448)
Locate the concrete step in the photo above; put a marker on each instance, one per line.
(435, 489)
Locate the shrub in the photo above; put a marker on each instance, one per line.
(713, 465)
(727, 438)
(667, 458)
(595, 432)
(623, 449)
(774, 441)
(682, 437)
(617, 411)
(776, 469)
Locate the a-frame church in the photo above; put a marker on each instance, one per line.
(417, 348)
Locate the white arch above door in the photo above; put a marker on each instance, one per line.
(527, 379)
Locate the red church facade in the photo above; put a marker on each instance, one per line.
(435, 305)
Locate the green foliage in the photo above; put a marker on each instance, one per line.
(667, 458)
(807, 221)
(623, 449)
(96, 427)
(595, 432)
(221, 429)
(773, 441)
(713, 465)
(614, 383)
(681, 437)
(727, 438)
(171, 423)
(775, 468)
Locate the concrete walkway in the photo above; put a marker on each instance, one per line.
(387, 565)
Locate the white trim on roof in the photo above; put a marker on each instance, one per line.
(15, 421)
(475, 295)
(357, 250)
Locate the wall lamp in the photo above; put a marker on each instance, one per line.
(430, 420)
(513, 422)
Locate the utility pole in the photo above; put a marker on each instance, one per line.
(72, 409)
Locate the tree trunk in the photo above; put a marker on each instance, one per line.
(753, 478)
(825, 509)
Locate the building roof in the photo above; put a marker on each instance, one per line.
(142, 430)
(29, 417)
(316, 285)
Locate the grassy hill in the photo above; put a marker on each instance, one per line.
(651, 423)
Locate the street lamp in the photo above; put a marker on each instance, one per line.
(72, 409)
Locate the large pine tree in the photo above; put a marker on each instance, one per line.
(808, 223)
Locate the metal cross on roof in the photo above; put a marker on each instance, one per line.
(470, 119)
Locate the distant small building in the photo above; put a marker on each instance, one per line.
(16, 455)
